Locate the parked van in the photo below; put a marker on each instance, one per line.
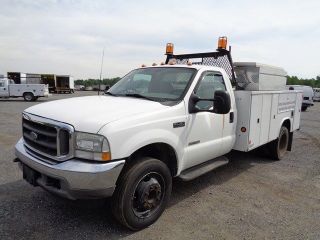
(316, 94)
(307, 95)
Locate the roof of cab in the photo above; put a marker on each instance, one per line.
(195, 66)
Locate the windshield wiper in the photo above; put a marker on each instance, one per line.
(137, 95)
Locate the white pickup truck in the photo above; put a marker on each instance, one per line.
(30, 92)
(174, 120)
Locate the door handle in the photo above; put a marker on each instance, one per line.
(231, 117)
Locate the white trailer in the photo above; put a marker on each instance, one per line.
(64, 84)
(30, 92)
(33, 78)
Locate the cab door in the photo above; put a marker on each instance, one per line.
(4, 91)
(205, 129)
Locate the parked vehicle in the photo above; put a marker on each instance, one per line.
(58, 83)
(30, 92)
(64, 84)
(307, 95)
(79, 87)
(316, 94)
(174, 120)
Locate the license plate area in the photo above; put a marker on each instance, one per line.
(30, 175)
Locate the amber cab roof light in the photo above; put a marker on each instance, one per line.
(222, 43)
(169, 48)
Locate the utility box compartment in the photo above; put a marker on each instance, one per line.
(252, 76)
(261, 114)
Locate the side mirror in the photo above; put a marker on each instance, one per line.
(106, 89)
(222, 102)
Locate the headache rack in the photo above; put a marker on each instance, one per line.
(221, 58)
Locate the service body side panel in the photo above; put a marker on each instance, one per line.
(262, 114)
(255, 120)
(17, 90)
(265, 118)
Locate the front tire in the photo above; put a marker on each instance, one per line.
(142, 193)
(279, 147)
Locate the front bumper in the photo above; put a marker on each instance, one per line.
(73, 179)
(307, 104)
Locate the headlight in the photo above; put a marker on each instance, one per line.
(92, 147)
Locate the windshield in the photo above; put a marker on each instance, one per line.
(157, 84)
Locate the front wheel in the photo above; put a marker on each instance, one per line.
(279, 146)
(142, 193)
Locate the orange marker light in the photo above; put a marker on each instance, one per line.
(169, 48)
(222, 43)
(106, 156)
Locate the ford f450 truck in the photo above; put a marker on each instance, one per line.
(178, 119)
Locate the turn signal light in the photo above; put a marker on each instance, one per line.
(222, 43)
(106, 156)
(169, 48)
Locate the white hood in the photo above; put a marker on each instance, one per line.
(89, 114)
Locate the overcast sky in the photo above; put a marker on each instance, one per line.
(67, 36)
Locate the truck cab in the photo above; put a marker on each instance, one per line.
(4, 87)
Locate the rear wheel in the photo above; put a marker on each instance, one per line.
(279, 146)
(28, 96)
(304, 108)
(142, 193)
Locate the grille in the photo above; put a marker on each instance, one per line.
(46, 139)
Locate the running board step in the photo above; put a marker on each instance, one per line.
(196, 171)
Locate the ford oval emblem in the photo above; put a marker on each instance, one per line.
(34, 136)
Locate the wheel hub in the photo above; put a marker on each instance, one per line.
(149, 193)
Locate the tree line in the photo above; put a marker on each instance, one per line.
(91, 82)
(291, 80)
(313, 82)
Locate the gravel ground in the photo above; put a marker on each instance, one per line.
(250, 198)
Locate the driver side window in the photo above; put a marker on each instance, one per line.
(209, 83)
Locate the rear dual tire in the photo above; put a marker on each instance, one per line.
(28, 96)
(142, 193)
(278, 147)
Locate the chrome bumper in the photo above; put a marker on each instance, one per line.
(76, 179)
